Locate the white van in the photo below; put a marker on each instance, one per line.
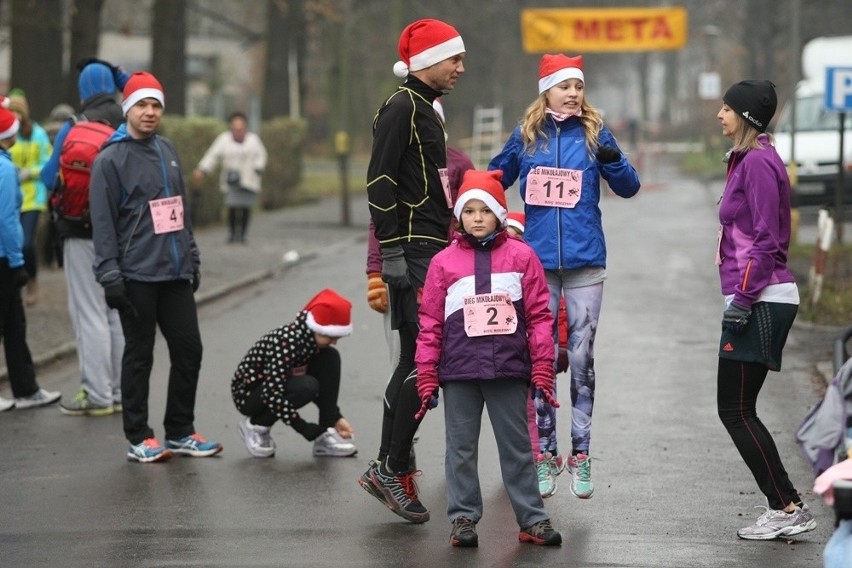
(817, 129)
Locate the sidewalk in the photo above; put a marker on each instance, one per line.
(307, 229)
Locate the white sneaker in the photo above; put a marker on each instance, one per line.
(6, 404)
(332, 444)
(257, 439)
(40, 398)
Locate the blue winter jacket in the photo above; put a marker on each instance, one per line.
(11, 233)
(566, 238)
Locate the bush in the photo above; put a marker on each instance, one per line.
(284, 139)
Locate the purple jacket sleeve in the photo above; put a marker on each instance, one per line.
(374, 251)
(431, 316)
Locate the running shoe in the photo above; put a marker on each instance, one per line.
(40, 398)
(580, 467)
(558, 464)
(81, 405)
(366, 481)
(400, 493)
(544, 471)
(464, 533)
(541, 533)
(331, 444)
(6, 404)
(194, 445)
(257, 439)
(148, 451)
(774, 523)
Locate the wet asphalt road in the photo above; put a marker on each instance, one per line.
(670, 488)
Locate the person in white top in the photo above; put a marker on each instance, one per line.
(242, 156)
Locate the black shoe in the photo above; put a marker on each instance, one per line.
(541, 533)
(464, 533)
(400, 493)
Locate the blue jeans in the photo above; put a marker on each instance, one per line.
(29, 222)
(838, 550)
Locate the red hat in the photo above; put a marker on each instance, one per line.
(141, 85)
(9, 122)
(553, 69)
(329, 314)
(485, 186)
(424, 43)
(517, 220)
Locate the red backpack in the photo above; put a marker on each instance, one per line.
(79, 149)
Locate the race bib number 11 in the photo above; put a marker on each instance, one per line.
(554, 187)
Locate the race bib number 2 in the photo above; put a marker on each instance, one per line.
(489, 314)
(167, 214)
(554, 187)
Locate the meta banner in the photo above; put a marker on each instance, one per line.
(585, 30)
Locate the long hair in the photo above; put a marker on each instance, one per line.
(745, 138)
(532, 125)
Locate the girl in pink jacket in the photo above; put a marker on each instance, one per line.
(485, 335)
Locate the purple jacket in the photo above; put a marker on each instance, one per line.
(465, 268)
(755, 218)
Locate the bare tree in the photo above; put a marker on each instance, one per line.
(285, 44)
(168, 51)
(37, 52)
(85, 40)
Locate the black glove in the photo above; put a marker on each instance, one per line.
(394, 267)
(116, 298)
(735, 319)
(196, 281)
(20, 277)
(308, 430)
(607, 155)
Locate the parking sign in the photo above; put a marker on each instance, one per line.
(838, 88)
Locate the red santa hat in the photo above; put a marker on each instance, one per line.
(424, 43)
(329, 314)
(485, 186)
(141, 85)
(553, 69)
(517, 220)
(9, 122)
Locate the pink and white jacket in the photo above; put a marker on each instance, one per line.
(466, 268)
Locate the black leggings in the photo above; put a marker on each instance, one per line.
(320, 385)
(400, 405)
(738, 384)
(238, 221)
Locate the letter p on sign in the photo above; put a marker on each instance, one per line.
(838, 88)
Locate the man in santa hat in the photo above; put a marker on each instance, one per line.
(147, 261)
(410, 206)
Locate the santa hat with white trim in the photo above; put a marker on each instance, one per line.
(9, 122)
(553, 69)
(485, 186)
(329, 314)
(141, 85)
(517, 220)
(424, 43)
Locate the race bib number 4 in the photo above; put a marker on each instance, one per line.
(167, 214)
(489, 314)
(554, 187)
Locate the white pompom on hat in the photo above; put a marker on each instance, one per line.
(485, 186)
(553, 69)
(9, 122)
(141, 85)
(329, 314)
(424, 43)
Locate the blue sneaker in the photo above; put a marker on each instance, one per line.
(194, 445)
(148, 451)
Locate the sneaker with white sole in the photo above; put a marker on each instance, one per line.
(148, 451)
(557, 464)
(6, 404)
(331, 444)
(195, 445)
(257, 438)
(580, 467)
(774, 523)
(40, 398)
(544, 471)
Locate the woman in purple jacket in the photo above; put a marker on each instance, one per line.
(761, 298)
(485, 335)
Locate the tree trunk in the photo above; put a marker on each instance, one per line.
(36, 30)
(276, 88)
(168, 52)
(85, 41)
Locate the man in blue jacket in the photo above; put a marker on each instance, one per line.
(148, 263)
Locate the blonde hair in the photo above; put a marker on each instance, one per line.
(532, 125)
(745, 138)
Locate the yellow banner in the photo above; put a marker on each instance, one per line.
(587, 30)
